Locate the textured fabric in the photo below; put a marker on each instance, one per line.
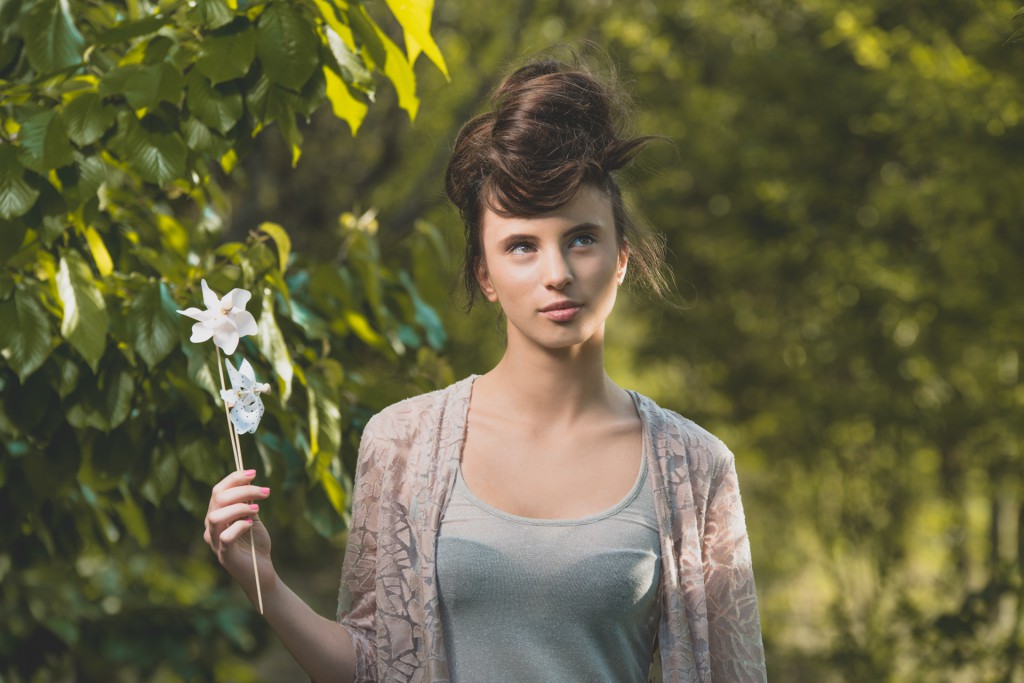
(710, 630)
(548, 600)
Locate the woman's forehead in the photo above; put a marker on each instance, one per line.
(589, 206)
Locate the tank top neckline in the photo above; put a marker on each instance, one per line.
(543, 521)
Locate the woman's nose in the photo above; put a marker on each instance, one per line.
(557, 273)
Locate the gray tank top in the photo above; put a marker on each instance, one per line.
(531, 600)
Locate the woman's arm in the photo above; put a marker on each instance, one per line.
(322, 647)
(734, 625)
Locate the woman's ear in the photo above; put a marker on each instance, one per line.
(620, 271)
(483, 279)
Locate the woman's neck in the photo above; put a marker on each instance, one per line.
(554, 385)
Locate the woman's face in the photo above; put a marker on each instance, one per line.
(555, 275)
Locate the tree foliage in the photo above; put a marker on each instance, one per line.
(841, 201)
(121, 125)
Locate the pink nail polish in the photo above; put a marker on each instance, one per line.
(265, 491)
(250, 473)
(249, 521)
(254, 507)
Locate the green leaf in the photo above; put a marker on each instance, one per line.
(144, 86)
(85, 313)
(281, 239)
(16, 195)
(51, 40)
(279, 107)
(163, 475)
(105, 405)
(132, 517)
(211, 13)
(414, 16)
(24, 333)
(273, 346)
(211, 105)
(343, 104)
(350, 64)
(227, 53)
(395, 66)
(287, 45)
(152, 322)
(198, 137)
(12, 236)
(335, 493)
(81, 180)
(87, 118)
(358, 323)
(201, 461)
(45, 142)
(426, 316)
(127, 30)
(67, 381)
(157, 157)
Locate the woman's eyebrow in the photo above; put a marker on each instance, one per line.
(509, 240)
(583, 227)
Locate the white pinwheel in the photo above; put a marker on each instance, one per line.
(225, 318)
(243, 398)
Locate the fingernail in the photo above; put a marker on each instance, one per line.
(249, 520)
(254, 507)
(250, 473)
(265, 491)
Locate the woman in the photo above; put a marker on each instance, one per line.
(538, 522)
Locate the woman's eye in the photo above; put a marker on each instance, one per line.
(583, 241)
(520, 248)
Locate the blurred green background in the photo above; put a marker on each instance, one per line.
(842, 199)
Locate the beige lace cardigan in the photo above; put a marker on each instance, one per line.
(710, 629)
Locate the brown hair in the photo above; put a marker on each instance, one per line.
(553, 127)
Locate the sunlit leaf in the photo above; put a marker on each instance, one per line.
(100, 255)
(84, 324)
(281, 239)
(414, 16)
(350, 64)
(391, 59)
(273, 346)
(343, 104)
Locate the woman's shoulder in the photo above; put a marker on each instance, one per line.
(678, 435)
(412, 414)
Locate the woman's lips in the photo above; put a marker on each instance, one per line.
(562, 312)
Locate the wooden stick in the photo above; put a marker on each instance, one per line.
(236, 450)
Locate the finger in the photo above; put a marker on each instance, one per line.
(236, 478)
(231, 534)
(224, 516)
(238, 494)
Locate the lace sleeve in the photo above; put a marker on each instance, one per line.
(357, 602)
(734, 626)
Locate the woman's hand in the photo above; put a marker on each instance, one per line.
(229, 518)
